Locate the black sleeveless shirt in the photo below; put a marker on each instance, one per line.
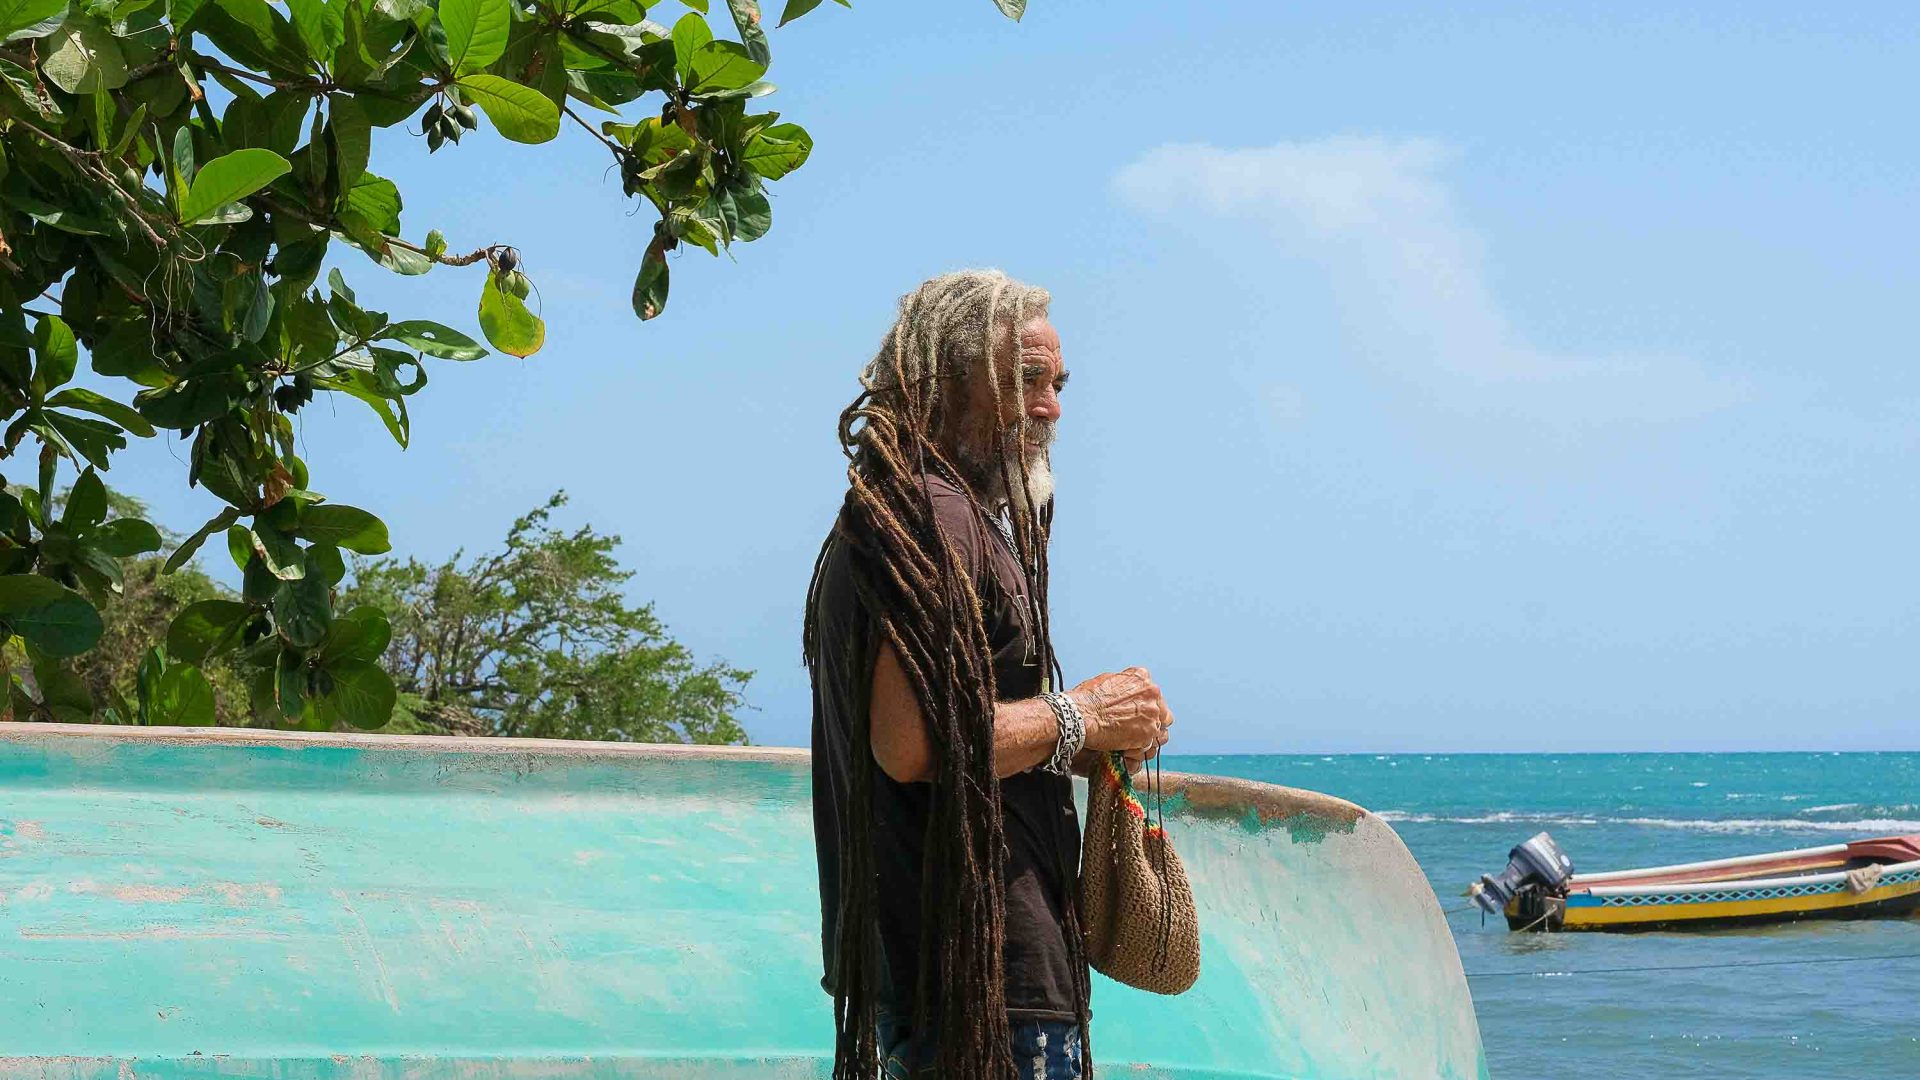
(1042, 829)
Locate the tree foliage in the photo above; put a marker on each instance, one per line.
(539, 640)
(174, 175)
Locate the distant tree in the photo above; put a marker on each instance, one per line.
(538, 640)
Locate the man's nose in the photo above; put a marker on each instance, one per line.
(1044, 405)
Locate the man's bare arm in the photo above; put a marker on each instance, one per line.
(1123, 711)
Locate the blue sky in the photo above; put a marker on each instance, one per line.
(1487, 378)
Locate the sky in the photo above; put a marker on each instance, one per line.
(1444, 378)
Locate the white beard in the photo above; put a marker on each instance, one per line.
(1039, 484)
(984, 471)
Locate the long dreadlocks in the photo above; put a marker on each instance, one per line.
(914, 587)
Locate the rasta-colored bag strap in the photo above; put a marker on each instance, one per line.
(1154, 826)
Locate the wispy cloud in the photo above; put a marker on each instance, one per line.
(1409, 274)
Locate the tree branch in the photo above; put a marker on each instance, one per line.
(618, 150)
(315, 87)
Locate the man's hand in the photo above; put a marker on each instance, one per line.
(1125, 711)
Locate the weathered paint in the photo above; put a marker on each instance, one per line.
(193, 904)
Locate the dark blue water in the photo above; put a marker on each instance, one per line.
(1460, 813)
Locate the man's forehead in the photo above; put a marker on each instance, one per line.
(1039, 335)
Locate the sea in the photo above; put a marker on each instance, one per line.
(1711, 1004)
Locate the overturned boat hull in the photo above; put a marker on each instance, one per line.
(235, 903)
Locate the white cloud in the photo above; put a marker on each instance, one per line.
(1409, 276)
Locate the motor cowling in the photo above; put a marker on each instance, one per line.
(1538, 862)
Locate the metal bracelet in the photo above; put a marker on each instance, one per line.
(1073, 732)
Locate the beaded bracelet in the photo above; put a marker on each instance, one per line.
(1073, 732)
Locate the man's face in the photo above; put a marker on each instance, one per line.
(1030, 391)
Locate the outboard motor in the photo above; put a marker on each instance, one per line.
(1538, 862)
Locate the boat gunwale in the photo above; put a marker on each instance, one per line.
(1576, 880)
(1688, 888)
(1205, 795)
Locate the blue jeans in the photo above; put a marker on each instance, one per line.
(1042, 1049)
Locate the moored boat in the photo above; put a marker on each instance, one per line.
(1874, 878)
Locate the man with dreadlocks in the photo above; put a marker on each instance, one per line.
(943, 812)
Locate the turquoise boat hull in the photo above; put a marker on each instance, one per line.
(184, 903)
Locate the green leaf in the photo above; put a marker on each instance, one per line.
(53, 618)
(749, 214)
(182, 697)
(20, 14)
(352, 140)
(505, 320)
(83, 56)
(256, 34)
(181, 164)
(375, 200)
(797, 8)
(124, 538)
(260, 697)
(218, 523)
(56, 351)
(290, 683)
(22, 83)
(778, 150)
(435, 340)
(97, 570)
(522, 114)
(207, 628)
(337, 285)
(752, 90)
(324, 561)
(361, 635)
(650, 287)
(321, 24)
(746, 19)
(476, 32)
(188, 403)
(66, 220)
(690, 34)
(127, 350)
(1012, 9)
(86, 503)
(278, 551)
(697, 5)
(229, 178)
(361, 695)
(93, 439)
(240, 545)
(723, 65)
(62, 693)
(100, 405)
(392, 412)
(302, 609)
(343, 526)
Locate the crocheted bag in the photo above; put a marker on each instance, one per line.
(1136, 906)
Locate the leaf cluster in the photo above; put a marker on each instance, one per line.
(174, 176)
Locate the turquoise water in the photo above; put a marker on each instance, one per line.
(1460, 813)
